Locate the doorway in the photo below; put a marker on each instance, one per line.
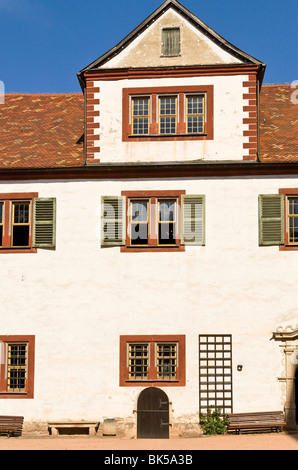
(153, 414)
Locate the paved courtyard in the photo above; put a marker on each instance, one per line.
(270, 441)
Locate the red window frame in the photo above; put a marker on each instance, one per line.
(181, 93)
(7, 200)
(153, 197)
(287, 192)
(29, 386)
(152, 380)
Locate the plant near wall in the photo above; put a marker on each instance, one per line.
(214, 422)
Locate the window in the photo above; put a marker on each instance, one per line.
(17, 366)
(152, 359)
(167, 119)
(153, 220)
(167, 113)
(171, 42)
(292, 220)
(195, 114)
(278, 219)
(20, 227)
(26, 222)
(140, 115)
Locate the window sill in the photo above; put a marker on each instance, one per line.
(153, 383)
(17, 250)
(152, 248)
(16, 395)
(288, 248)
(160, 137)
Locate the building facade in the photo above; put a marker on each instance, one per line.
(149, 238)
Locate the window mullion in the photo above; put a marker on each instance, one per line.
(152, 229)
(152, 372)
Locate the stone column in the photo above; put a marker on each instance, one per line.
(290, 406)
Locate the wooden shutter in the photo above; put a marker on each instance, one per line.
(271, 219)
(44, 223)
(171, 41)
(193, 220)
(112, 220)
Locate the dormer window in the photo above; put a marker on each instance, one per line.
(168, 113)
(170, 42)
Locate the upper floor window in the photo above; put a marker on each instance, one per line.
(153, 220)
(26, 222)
(168, 113)
(171, 42)
(292, 219)
(140, 115)
(278, 219)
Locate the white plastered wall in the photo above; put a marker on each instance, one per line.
(228, 140)
(79, 299)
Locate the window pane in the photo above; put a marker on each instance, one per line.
(140, 115)
(20, 236)
(166, 234)
(195, 124)
(16, 367)
(138, 361)
(195, 114)
(293, 219)
(139, 234)
(293, 206)
(167, 105)
(166, 361)
(21, 213)
(166, 223)
(139, 211)
(167, 210)
(139, 230)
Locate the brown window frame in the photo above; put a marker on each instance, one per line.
(288, 193)
(28, 391)
(153, 197)
(155, 93)
(152, 341)
(8, 200)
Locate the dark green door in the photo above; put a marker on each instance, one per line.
(153, 414)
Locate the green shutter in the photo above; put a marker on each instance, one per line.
(193, 220)
(112, 220)
(171, 41)
(271, 219)
(44, 223)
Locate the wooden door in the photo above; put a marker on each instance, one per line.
(153, 414)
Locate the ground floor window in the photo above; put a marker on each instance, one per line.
(17, 366)
(215, 373)
(152, 359)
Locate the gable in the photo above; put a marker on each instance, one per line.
(200, 45)
(146, 49)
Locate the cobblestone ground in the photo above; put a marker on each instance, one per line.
(272, 441)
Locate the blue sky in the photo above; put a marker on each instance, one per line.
(44, 43)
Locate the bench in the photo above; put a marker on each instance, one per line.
(54, 426)
(273, 420)
(11, 425)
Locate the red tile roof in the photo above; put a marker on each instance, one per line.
(278, 124)
(41, 130)
(46, 130)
